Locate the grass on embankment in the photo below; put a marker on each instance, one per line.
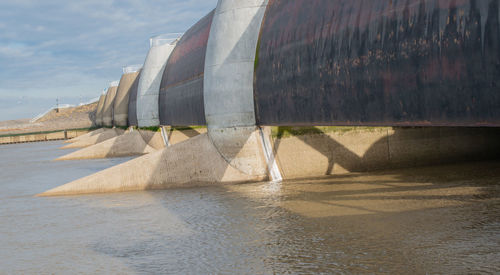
(175, 128)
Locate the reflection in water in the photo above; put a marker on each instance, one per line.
(423, 220)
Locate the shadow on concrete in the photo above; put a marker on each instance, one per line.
(124, 145)
(153, 139)
(177, 134)
(95, 139)
(92, 117)
(187, 131)
(127, 144)
(400, 147)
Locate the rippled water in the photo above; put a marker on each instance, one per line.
(415, 221)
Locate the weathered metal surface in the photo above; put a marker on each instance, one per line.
(379, 62)
(132, 103)
(181, 89)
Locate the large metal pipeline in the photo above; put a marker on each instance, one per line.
(181, 89)
(379, 63)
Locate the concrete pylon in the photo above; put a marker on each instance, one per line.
(120, 104)
(177, 166)
(87, 135)
(128, 144)
(228, 87)
(132, 103)
(150, 80)
(89, 141)
(100, 106)
(107, 110)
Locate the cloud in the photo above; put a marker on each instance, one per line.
(16, 50)
(73, 49)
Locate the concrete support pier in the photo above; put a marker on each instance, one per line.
(94, 139)
(228, 90)
(120, 104)
(98, 112)
(175, 166)
(149, 83)
(128, 144)
(85, 136)
(107, 111)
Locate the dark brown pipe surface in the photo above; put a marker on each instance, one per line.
(181, 89)
(379, 63)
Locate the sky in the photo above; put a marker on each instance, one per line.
(72, 50)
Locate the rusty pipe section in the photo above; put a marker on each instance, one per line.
(181, 89)
(379, 63)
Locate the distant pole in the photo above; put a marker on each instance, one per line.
(57, 104)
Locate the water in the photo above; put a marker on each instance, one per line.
(439, 220)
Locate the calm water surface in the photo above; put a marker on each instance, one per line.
(440, 220)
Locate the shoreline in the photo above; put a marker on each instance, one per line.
(42, 136)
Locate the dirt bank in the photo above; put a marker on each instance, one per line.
(80, 117)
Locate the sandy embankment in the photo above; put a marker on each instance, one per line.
(67, 118)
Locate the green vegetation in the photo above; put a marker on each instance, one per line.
(286, 131)
(171, 128)
(152, 128)
(184, 128)
(256, 62)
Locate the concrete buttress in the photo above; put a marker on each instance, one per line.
(107, 111)
(149, 83)
(94, 139)
(228, 90)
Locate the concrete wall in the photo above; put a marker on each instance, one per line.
(107, 111)
(98, 113)
(42, 137)
(120, 104)
(149, 85)
(318, 151)
(228, 90)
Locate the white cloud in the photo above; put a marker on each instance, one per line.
(75, 48)
(16, 50)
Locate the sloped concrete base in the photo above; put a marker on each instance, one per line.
(176, 135)
(153, 139)
(195, 162)
(95, 139)
(87, 135)
(128, 144)
(321, 152)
